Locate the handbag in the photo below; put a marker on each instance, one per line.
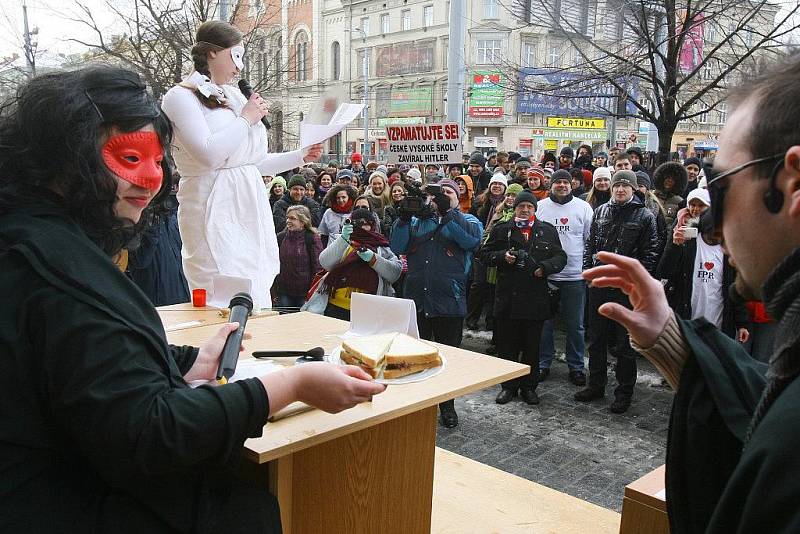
(316, 301)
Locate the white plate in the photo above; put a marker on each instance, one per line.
(408, 379)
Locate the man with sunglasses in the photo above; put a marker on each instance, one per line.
(732, 458)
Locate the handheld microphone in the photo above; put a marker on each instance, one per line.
(241, 305)
(247, 91)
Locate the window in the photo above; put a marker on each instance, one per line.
(277, 61)
(405, 18)
(365, 25)
(491, 9)
(529, 55)
(301, 56)
(489, 52)
(335, 59)
(427, 16)
(703, 117)
(554, 56)
(385, 23)
(707, 73)
(256, 8)
(710, 31)
(722, 111)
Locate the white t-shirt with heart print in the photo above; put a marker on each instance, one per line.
(707, 297)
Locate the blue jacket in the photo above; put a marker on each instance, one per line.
(439, 257)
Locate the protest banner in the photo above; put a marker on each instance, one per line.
(424, 143)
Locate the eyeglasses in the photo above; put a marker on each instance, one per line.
(717, 192)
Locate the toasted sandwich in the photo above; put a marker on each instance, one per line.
(407, 355)
(367, 352)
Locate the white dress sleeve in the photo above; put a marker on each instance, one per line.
(273, 164)
(211, 150)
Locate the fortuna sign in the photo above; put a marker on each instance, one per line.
(564, 122)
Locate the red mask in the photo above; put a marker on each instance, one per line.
(136, 158)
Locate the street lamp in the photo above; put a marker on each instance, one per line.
(365, 67)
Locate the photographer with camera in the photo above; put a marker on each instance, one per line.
(525, 251)
(698, 273)
(438, 241)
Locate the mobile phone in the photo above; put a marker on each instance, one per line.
(690, 233)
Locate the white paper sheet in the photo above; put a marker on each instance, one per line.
(311, 134)
(371, 314)
(247, 368)
(225, 287)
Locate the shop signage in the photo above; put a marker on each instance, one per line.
(558, 92)
(572, 135)
(486, 142)
(565, 122)
(487, 96)
(385, 121)
(425, 143)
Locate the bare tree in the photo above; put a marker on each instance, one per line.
(660, 61)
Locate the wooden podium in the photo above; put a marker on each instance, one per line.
(644, 507)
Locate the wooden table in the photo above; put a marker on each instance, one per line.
(368, 469)
(644, 507)
(183, 316)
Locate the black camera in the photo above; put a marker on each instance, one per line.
(415, 202)
(521, 258)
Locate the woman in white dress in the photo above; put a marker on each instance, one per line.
(220, 149)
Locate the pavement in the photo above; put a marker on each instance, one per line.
(581, 449)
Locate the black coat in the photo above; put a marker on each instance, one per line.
(280, 207)
(100, 432)
(519, 294)
(628, 229)
(677, 267)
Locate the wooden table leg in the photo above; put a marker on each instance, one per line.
(376, 480)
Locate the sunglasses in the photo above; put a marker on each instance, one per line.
(716, 191)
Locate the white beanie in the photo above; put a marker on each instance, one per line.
(500, 179)
(701, 195)
(601, 172)
(414, 174)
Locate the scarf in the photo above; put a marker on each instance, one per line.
(601, 197)
(525, 226)
(351, 270)
(494, 201)
(347, 208)
(565, 200)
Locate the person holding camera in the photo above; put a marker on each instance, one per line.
(438, 241)
(525, 251)
(358, 261)
(699, 275)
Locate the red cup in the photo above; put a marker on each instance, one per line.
(198, 298)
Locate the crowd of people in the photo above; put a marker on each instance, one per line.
(501, 241)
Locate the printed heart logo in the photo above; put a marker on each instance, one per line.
(494, 78)
(478, 78)
(564, 220)
(708, 265)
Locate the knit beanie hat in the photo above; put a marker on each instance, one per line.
(567, 151)
(536, 171)
(355, 157)
(477, 159)
(362, 214)
(699, 194)
(692, 161)
(297, 179)
(378, 173)
(278, 180)
(602, 172)
(642, 179)
(525, 196)
(624, 177)
(514, 189)
(500, 179)
(447, 182)
(414, 174)
(561, 174)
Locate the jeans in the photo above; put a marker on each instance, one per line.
(515, 336)
(572, 302)
(289, 301)
(445, 330)
(606, 336)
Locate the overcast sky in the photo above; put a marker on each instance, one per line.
(52, 19)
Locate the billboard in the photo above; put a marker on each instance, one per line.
(487, 96)
(404, 58)
(692, 50)
(411, 102)
(573, 98)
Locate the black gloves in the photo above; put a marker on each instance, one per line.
(405, 215)
(442, 202)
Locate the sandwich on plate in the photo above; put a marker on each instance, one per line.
(390, 355)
